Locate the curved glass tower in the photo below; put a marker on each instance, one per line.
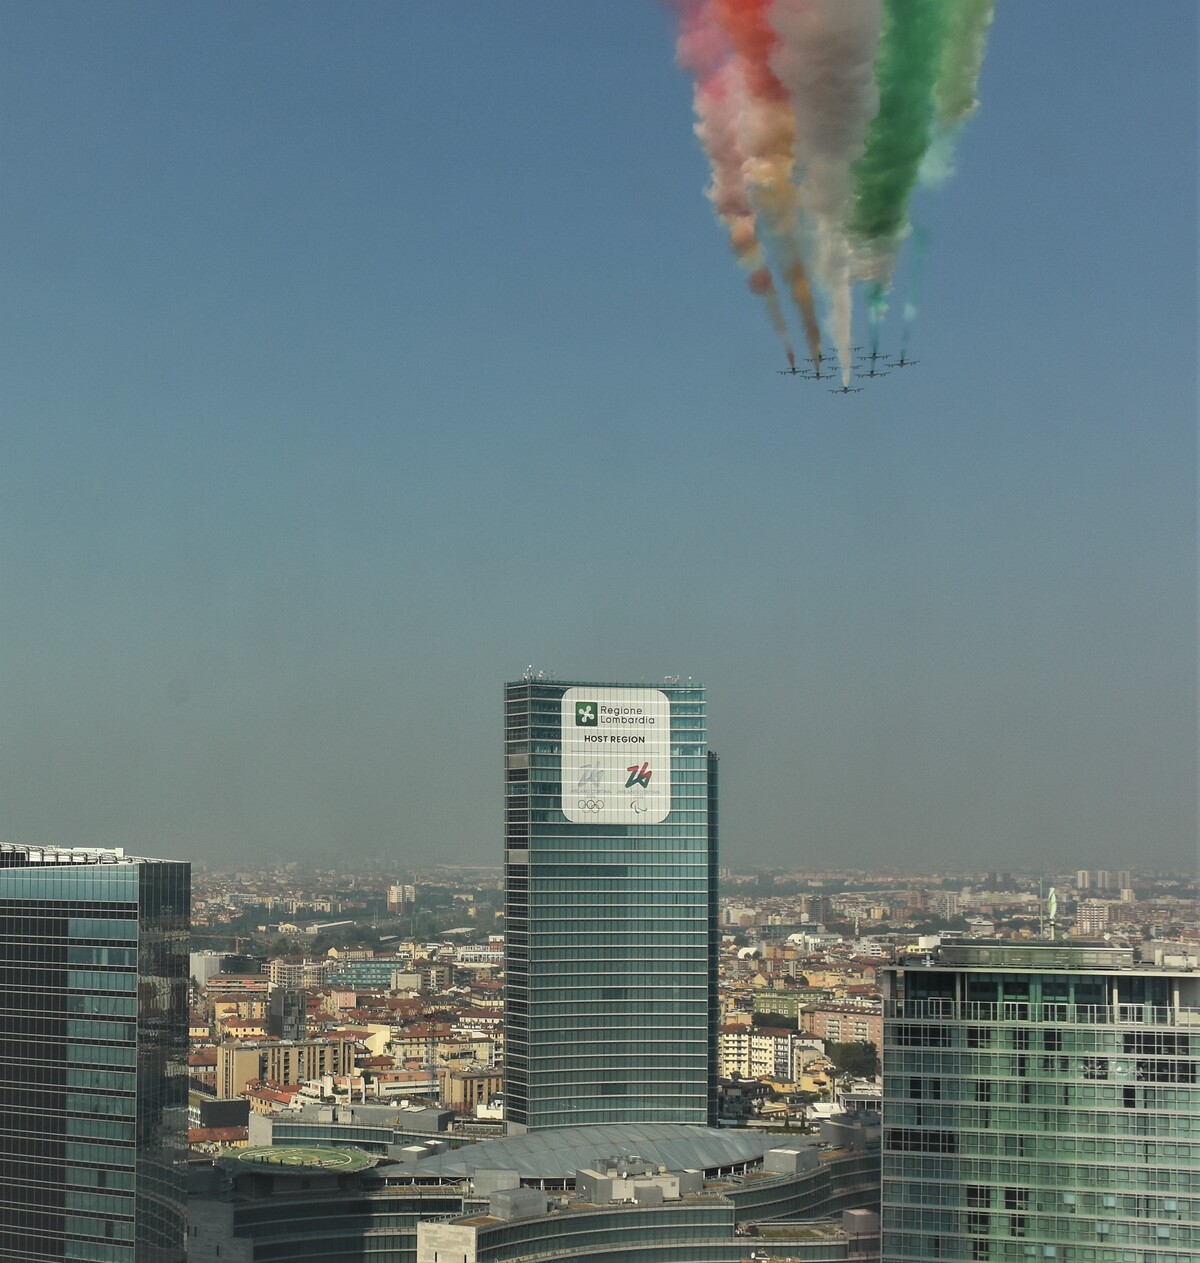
(611, 905)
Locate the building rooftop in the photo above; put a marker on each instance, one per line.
(556, 1153)
(301, 1159)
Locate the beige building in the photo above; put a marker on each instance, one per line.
(844, 1023)
(281, 1062)
(463, 1090)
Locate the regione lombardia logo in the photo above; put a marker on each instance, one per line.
(585, 714)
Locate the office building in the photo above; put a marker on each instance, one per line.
(1041, 1102)
(611, 905)
(93, 1056)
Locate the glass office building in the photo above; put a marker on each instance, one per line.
(611, 905)
(1041, 1102)
(93, 1056)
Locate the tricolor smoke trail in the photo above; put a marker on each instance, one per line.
(955, 99)
(767, 130)
(702, 50)
(820, 118)
(825, 59)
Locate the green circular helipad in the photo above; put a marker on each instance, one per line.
(300, 1159)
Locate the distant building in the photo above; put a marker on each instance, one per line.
(611, 905)
(401, 898)
(280, 1062)
(1124, 880)
(1083, 880)
(844, 1023)
(1091, 918)
(93, 1026)
(287, 1010)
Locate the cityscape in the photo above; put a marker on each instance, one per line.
(399, 402)
(609, 1044)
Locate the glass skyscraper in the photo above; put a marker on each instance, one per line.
(611, 905)
(1041, 1101)
(93, 1056)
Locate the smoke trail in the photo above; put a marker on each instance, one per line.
(912, 301)
(906, 70)
(955, 100)
(825, 59)
(703, 50)
(767, 132)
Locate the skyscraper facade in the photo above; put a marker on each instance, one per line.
(1041, 1101)
(93, 1056)
(611, 905)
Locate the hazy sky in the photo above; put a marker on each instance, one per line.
(354, 356)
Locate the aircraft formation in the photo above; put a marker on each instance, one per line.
(822, 370)
(820, 119)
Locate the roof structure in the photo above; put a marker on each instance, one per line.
(556, 1153)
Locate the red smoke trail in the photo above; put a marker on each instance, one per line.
(703, 51)
(767, 131)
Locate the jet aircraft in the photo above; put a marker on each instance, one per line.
(846, 390)
(873, 357)
(902, 362)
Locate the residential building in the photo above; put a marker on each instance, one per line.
(611, 905)
(1091, 918)
(93, 1055)
(284, 1061)
(844, 1023)
(1041, 1100)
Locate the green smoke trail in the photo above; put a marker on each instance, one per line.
(955, 100)
(906, 69)
(967, 26)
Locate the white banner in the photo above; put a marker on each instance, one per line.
(616, 756)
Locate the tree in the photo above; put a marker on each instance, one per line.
(859, 1059)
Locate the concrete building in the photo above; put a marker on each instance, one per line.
(1091, 918)
(844, 1023)
(611, 905)
(93, 1055)
(1041, 1100)
(282, 1061)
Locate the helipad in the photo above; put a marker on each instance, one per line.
(300, 1159)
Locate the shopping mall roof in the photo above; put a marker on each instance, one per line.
(556, 1153)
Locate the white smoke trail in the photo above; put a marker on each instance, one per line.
(826, 60)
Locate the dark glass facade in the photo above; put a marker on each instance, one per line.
(611, 927)
(93, 1045)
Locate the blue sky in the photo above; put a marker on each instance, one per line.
(353, 357)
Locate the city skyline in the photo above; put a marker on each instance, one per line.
(297, 297)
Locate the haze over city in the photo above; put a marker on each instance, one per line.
(356, 358)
